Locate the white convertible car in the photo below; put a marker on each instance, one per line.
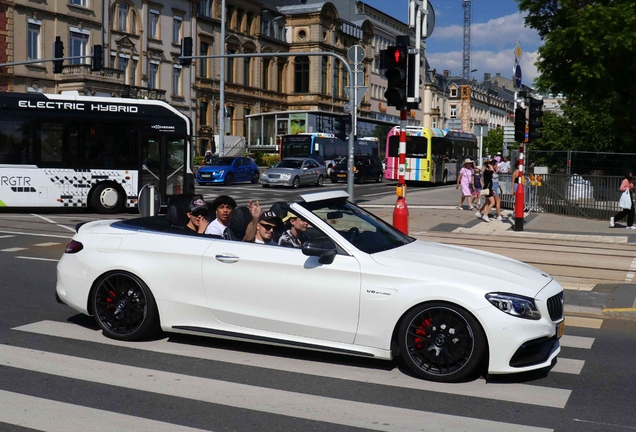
(358, 286)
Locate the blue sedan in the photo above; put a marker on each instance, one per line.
(228, 170)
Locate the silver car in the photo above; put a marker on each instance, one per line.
(293, 172)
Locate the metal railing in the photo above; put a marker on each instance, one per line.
(592, 197)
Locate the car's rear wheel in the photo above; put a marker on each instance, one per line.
(441, 342)
(124, 307)
(334, 180)
(361, 178)
(255, 177)
(320, 181)
(296, 183)
(229, 179)
(380, 178)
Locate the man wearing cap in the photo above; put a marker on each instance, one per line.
(197, 214)
(295, 235)
(267, 223)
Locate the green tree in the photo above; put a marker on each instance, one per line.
(588, 52)
(493, 141)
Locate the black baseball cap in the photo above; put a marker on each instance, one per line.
(269, 216)
(198, 207)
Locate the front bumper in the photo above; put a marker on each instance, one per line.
(339, 176)
(276, 181)
(213, 178)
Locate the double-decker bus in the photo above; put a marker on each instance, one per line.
(432, 155)
(82, 151)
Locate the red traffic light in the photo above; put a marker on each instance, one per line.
(398, 55)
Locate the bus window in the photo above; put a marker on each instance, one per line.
(416, 146)
(109, 145)
(16, 143)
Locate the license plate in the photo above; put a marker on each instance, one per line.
(342, 175)
(206, 175)
(560, 329)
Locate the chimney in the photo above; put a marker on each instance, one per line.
(496, 86)
(498, 73)
(446, 73)
(486, 76)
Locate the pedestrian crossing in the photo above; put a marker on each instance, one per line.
(28, 246)
(313, 398)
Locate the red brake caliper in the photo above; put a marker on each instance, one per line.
(422, 332)
(110, 299)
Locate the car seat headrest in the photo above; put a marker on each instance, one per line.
(239, 220)
(280, 208)
(178, 207)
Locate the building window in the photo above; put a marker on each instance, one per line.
(33, 42)
(246, 112)
(265, 80)
(335, 81)
(280, 79)
(246, 71)
(133, 72)
(177, 24)
(453, 92)
(78, 2)
(153, 71)
(176, 80)
(239, 20)
(453, 111)
(78, 44)
(229, 73)
(325, 66)
(153, 24)
(205, 8)
(123, 17)
(203, 113)
(345, 81)
(301, 74)
(204, 48)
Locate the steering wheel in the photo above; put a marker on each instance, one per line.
(353, 234)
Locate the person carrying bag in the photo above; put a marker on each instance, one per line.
(626, 203)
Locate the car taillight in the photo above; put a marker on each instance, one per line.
(355, 169)
(73, 247)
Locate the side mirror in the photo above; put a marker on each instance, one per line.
(322, 247)
(305, 168)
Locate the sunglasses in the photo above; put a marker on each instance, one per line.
(198, 213)
(268, 227)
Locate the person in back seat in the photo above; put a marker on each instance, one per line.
(223, 206)
(295, 235)
(197, 214)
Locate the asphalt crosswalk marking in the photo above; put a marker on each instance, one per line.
(577, 341)
(574, 321)
(6, 236)
(520, 393)
(13, 249)
(46, 244)
(51, 416)
(273, 401)
(37, 259)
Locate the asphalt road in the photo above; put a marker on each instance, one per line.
(58, 373)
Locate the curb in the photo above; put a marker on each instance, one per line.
(616, 313)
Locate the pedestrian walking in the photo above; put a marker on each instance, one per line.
(477, 187)
(627, 187)
(465, 180)
(490, 200)
(495, 187)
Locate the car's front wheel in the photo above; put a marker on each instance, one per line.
(296, 182)
(441, 342)
(320, 181)
(229, 179)
(124, 307)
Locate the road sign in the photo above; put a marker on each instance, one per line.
(360, 92)
(356, 53)
(509, 133)
(518, 52)
(518, 76)
(346, 107)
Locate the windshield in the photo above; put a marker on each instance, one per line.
(287, 163)
(365, 231)
(223, 161)
(356, 160)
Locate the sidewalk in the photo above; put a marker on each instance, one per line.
(616, 300)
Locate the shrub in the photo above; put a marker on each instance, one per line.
(198, 160)
(269, 159)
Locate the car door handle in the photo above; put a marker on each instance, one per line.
(228, 259)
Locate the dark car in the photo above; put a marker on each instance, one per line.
(364, 168)
(227, 170)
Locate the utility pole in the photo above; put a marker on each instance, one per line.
(221, 118)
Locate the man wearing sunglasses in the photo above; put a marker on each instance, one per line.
(267, 223)
(197, 214)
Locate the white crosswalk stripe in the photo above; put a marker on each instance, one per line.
(288, 403)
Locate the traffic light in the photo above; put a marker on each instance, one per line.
(98, 58)
(520, 125)
(186, 51)
(58, 52)
(396, 67)
(534, 118)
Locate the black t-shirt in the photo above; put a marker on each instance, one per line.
(488, 179)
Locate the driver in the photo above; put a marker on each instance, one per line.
(295, 235)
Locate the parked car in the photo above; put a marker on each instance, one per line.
(357, 286)
(294, 172)
(228, 170)
(364, 168)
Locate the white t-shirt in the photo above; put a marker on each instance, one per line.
(507, 167)
(501, 167)
(215, 228)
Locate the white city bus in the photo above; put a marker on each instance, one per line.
(81, 151)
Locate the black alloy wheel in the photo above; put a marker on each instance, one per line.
(320, 181)
(124, 307)
(441, 342)
(229, 179)
(296, 183)
(361, 178)
(380, 178)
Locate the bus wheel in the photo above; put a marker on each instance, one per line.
(106, 198)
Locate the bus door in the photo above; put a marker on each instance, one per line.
(163, 164)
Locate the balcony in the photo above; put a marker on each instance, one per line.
(136, 92)
(82, 72)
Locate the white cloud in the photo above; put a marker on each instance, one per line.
(492, 62)
(498, 32)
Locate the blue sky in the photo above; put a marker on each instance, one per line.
(496, 26)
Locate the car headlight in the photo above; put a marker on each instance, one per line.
(285, 176)
(219, 172)
(263, 175)
(515, 305)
